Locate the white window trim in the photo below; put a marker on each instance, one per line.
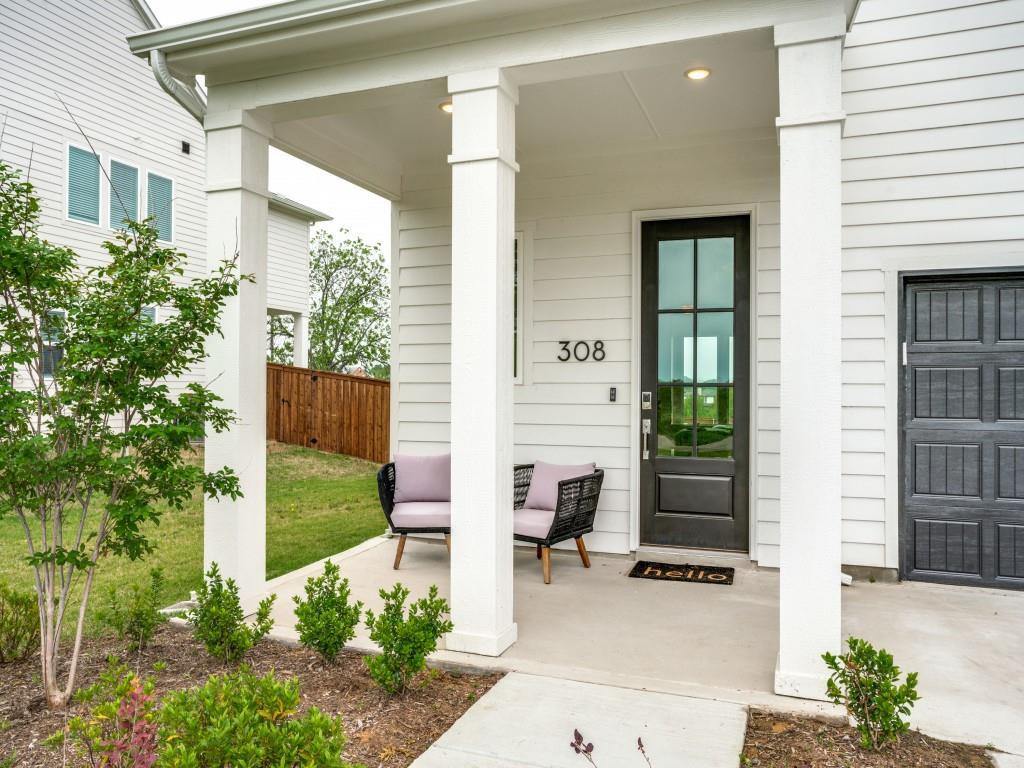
(174, 207)
(524, 304)
(103, 201)
(110, 187)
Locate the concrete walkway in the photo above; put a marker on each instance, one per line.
(528, 720)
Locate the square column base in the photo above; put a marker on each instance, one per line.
(482, 645)
(800, 685)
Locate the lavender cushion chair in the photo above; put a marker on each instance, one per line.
(553, 503)
(415, 492)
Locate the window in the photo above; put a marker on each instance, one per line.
(83, 186)
(518, 286)
(149, 313)
(124, 194)
(160, 205)
(52, 333)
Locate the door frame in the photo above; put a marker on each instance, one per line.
(692, 212)
(903, 279)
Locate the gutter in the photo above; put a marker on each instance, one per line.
(188, 96)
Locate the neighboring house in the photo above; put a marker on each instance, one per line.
(149, 152)
(761, 260)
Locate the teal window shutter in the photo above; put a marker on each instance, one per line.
(83, 186)
(160, 205)
(124, 194)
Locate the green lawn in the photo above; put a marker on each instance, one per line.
(318, 504)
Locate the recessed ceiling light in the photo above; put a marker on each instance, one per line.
(699, 73)
(445, 106)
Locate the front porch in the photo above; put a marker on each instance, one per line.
(713, 641)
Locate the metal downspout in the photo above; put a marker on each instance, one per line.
(188, 96)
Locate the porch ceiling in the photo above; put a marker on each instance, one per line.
(608, 103)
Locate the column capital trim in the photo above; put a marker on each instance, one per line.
(810, 30)
(822, 119)
(237, 118)
(476, 157)
(482, 80)
(234, 186)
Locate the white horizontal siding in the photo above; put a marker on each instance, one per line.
(933, 176)
(287, 263)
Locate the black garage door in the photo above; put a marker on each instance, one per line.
(962, 410)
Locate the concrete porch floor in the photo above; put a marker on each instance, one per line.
(720, 642)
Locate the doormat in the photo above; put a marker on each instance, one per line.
(701, 574)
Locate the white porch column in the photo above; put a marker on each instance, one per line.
(234, 532)
(300, 345)
(810, 127)
(483, 231)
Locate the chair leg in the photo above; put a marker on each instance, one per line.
(546, 564)
(448, 543)
(583, 552)
(401, 549)
(538, 551)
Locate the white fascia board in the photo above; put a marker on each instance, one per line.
(298, 210)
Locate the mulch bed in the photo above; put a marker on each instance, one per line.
(787, 741)
(380, 731)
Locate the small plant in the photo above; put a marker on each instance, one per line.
(866, 682)
(121, 727)
(19, 624)
(218, 622)
(326, 619)
(134, 613)
(585, 748)
(404, 641)
(240, 719)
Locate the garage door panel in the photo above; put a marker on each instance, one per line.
(962, 410)
(1010, 540)
(1011, 394)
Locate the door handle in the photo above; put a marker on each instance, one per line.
(646, 429)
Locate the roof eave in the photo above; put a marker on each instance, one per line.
(298, 210)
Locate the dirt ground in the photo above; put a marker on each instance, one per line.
(784, 741)
(381, 732)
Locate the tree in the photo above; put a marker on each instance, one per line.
(93, 443)
(349, 321)
(280, 336)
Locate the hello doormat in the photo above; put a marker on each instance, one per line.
(700, 574)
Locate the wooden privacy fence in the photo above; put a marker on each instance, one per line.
(329, 411)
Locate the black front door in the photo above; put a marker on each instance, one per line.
(694, 403)
(962, 406)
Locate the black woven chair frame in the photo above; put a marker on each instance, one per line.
(575, 510)
(386, 491)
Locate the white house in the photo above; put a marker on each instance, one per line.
(79, 115)
(761, 260)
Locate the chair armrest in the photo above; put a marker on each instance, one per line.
(521, 478)
(386, 489)
(577, 505)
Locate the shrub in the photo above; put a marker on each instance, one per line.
(405, 642)
(19, 624)
(240, 719)
(866, 682)
(326, 620)
(134, 613)
(121, 726)
(218, 622)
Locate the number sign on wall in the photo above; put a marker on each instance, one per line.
(581, 351)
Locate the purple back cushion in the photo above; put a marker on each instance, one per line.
(543, 493)
(423, 478)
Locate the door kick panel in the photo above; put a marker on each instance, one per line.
(695, 495)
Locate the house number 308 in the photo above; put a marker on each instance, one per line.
(581, 350)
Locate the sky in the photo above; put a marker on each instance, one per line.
(362, 213)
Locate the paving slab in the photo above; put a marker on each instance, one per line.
(528, 720)
(1004, 760)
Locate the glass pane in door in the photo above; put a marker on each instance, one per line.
(675, 421)
(675, 348)
(714, 422)
(675, 274)
(715, 343)
(715, 265)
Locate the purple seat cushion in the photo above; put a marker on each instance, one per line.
(535, 523)
(422, 514)
(423, 478)
(543, 492)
